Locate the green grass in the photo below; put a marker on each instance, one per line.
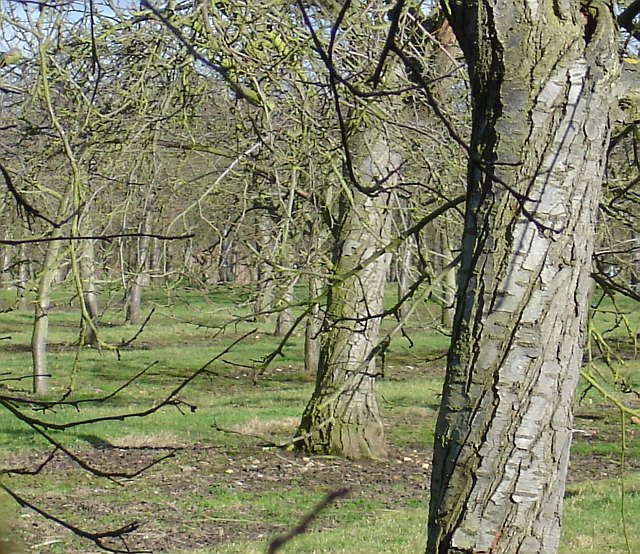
(593, 519)
(388, 531)
(187, 331)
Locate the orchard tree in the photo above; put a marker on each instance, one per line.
(99, 95)
(289, 84)
(343, 415)
(543, 81)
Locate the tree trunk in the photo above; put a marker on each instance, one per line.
(342, 416)
(541, 79)
(284, 318)
(157, 261)
(23, 278)
(404, 260)
(263, 304)
(140, 279)
(265, 282)
(40, 335)
(449, 282)
(89, 292)
(225, 260)
(313, 327)
(7, 260)
(133, 302)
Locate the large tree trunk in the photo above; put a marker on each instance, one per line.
(342, 416)
(541, 76)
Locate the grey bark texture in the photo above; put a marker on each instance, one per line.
(343, 416)
(542, 78)
(40, 335)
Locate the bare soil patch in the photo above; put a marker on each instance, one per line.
(175, 502)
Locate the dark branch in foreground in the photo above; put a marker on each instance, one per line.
(23, 207)
(625, 19)
(41, 427)
(36, 424)
(107, 238)
(303, 525)
(169, 400)
(125, 343)
(96, 538)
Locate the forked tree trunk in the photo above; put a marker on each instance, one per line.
(541, 78)
(342, 416)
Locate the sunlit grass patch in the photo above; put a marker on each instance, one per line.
(268, 428)
(593, 517)
(388, 531)
(227, 416)
(158, 439)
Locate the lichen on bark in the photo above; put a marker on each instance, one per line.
(539, 140)
(343, 416)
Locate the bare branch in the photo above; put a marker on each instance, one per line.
(307, 520)
(107, 238)
(96, 538)
(625, 19)
(169, 400)
(23, 207)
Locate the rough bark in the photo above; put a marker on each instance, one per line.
(343, 416)
(542, 77)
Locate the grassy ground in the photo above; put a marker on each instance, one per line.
(226, 488)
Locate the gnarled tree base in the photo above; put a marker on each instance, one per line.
(346, 424)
